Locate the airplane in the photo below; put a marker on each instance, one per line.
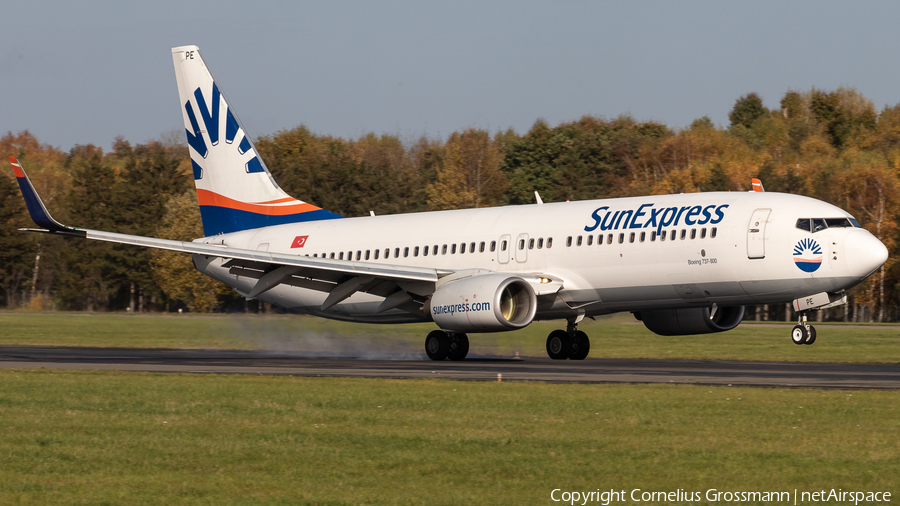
(682, 264)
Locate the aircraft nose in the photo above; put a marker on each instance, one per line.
(865, 253)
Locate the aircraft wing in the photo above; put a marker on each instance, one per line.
(339, 278)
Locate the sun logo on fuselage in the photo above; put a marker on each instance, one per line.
(808, 255)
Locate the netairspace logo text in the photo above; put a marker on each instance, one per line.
(712, 495)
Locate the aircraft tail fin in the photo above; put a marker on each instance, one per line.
(234, 187)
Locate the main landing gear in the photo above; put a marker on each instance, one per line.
(570, 343)
(803, 332)
(440, 345)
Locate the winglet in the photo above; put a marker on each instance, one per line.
(757, 185)
(36, 208)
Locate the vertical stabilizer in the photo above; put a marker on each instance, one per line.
(234, 187)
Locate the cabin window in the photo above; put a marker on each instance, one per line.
(653, 236)
(590, 240)
(540, 243)
(703, 233)
(358, 255)
(425, 251)
(396, 252)
(493, 246)
(530, 243)
(462, 248)
(569, 241)
(503, 246)
(416, 251)
(376, 253)
(549, 242)
(578, 241)
(481, 247)
(599, 239)
(643, 236)
(453, 249)
(367, 254)
(406, 252)
(609, 239)
(521, 244)
(341, 256)
(434, 249)
(693, 233)
(315, 255)
(712, 233)
(631, 237)
(332, 255)
(444, 249)
(683, 234)
(621, 238)
(472, 247)
(662, 235)
(387, 252)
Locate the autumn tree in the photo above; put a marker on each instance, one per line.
(747, 110)
(173, 271)
(90, 275)
(470, 174)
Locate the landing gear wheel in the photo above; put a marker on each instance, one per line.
(799, 334)
(811, 338)
(437, 345)
(558, 345)
(579, 346)
(458, 346)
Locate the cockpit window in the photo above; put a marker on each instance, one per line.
(855, 223)
(818, 224)
(837, 222)
(803, 224)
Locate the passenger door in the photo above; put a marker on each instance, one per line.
(756, 234)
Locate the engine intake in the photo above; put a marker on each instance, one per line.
(484, 303)
(699, 320)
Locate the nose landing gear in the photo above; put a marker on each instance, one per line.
(803, 332)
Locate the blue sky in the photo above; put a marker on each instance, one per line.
(86, 72)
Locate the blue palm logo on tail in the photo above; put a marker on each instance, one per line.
(211, 121)
(808, 255)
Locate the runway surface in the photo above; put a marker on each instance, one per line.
(598, 370)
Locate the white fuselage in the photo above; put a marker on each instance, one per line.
(719, 248)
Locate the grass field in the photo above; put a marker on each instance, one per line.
(137, 438)
(618, 336)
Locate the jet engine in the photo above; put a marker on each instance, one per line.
(699, 320)
(484, 303)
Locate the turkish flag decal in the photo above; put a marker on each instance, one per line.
(299, 241)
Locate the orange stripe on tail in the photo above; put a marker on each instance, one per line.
(208, 198)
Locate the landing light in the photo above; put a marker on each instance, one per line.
(544, 280)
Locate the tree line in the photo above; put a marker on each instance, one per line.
(831, 145)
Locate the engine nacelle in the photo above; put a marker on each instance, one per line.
(698, 320)
(484, 303)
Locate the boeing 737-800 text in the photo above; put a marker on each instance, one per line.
(683, 264)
